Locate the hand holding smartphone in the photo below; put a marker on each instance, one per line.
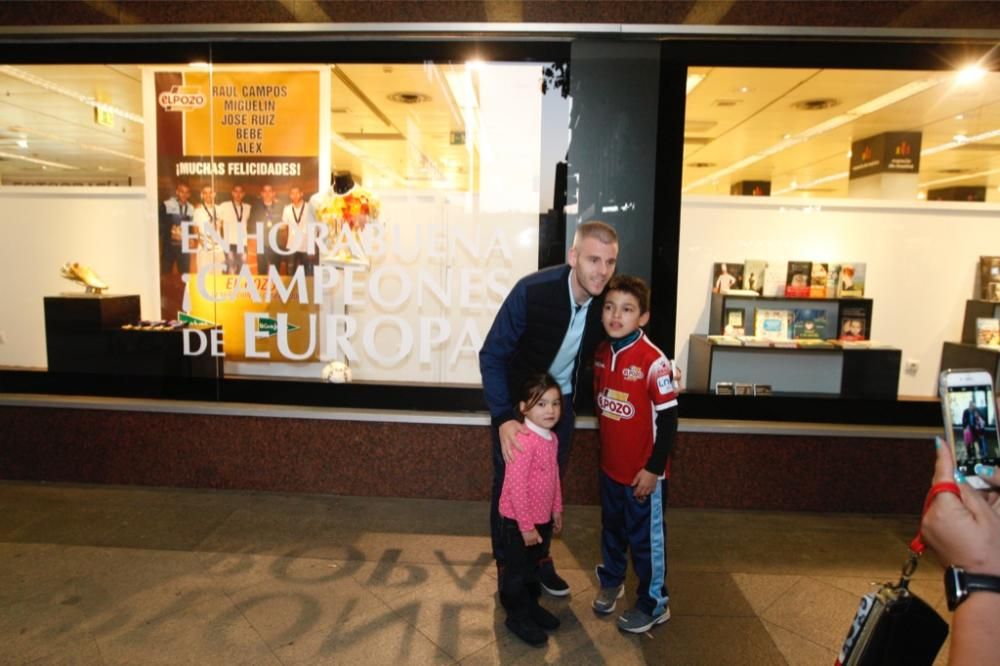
(969, 408)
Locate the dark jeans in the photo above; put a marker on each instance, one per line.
(520, 590)
(172, 254)
(564, 433)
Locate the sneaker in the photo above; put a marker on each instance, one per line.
(637, 622)
(607, 599)
(544, 618)
(550, 580)
(527, 630)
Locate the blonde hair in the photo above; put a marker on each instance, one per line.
(602, 231)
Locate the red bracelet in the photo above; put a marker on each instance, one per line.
(917, 545)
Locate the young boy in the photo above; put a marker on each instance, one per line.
(637, 414)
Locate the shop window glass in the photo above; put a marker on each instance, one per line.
(874, 180)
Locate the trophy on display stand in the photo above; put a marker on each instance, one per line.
(83, 275)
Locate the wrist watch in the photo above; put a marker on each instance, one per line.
(958, 585)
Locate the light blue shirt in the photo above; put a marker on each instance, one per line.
(562, 366)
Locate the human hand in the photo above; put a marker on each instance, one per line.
(962, 532)
(531, 537)
(678, 375)
(508, 439)
(557, 523)
(643, 484)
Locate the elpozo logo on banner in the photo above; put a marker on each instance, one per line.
(182, 98)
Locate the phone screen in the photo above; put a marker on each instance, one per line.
(971, 412)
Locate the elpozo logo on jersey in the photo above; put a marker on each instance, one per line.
(633, 373)
(614, 408)
(182, 98)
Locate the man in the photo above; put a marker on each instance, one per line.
(235, 216)
(267, 213)
(297, 219)
(550, 322)
(207, 225)
(174, 211)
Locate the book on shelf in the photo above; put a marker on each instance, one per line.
(817, 279)
(815, 343)
(852, 324)
(742, 388)
(734, 322)
(774, 279)
(852, 280)
(862, 344)
(723, 388)
(989, 278)
(987, 332)
(832, 279)
(762, 389)
(754, 341)
(753, 275)
(726, 276)
(797, 279)
(772, 324)
(729, 340)
(809, 323)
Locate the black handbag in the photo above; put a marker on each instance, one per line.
(893, 625)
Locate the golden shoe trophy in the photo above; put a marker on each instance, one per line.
(83, 275)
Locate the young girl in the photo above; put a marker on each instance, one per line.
(531, 510)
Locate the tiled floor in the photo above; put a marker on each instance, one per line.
(112, 575)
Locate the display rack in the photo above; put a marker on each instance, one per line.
(830, 370)
(966, 354)
(84, 334)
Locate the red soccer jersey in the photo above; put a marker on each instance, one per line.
(630, 386)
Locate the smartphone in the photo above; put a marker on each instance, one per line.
(970, 420)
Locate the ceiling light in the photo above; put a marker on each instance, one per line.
(692, 82)
(794, 184)
(921, 195)
(956, 142)
(970, 74)
(73, 142)
(960, 116)
(44, 163)
(811, 184)
(744, 89)
(967, 176)
(786, 136)
(850, 153)
(22, 143)
(54, 87)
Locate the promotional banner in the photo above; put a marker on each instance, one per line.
(237, 153)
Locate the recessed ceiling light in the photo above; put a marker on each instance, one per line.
(794, 184)
(22, 143)
(921, 195)
(960, 138)
(744, 90)
(970, 74)
(786, 136)
(960, 116)
(409, 97)
(817, 104)
(849, 154)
